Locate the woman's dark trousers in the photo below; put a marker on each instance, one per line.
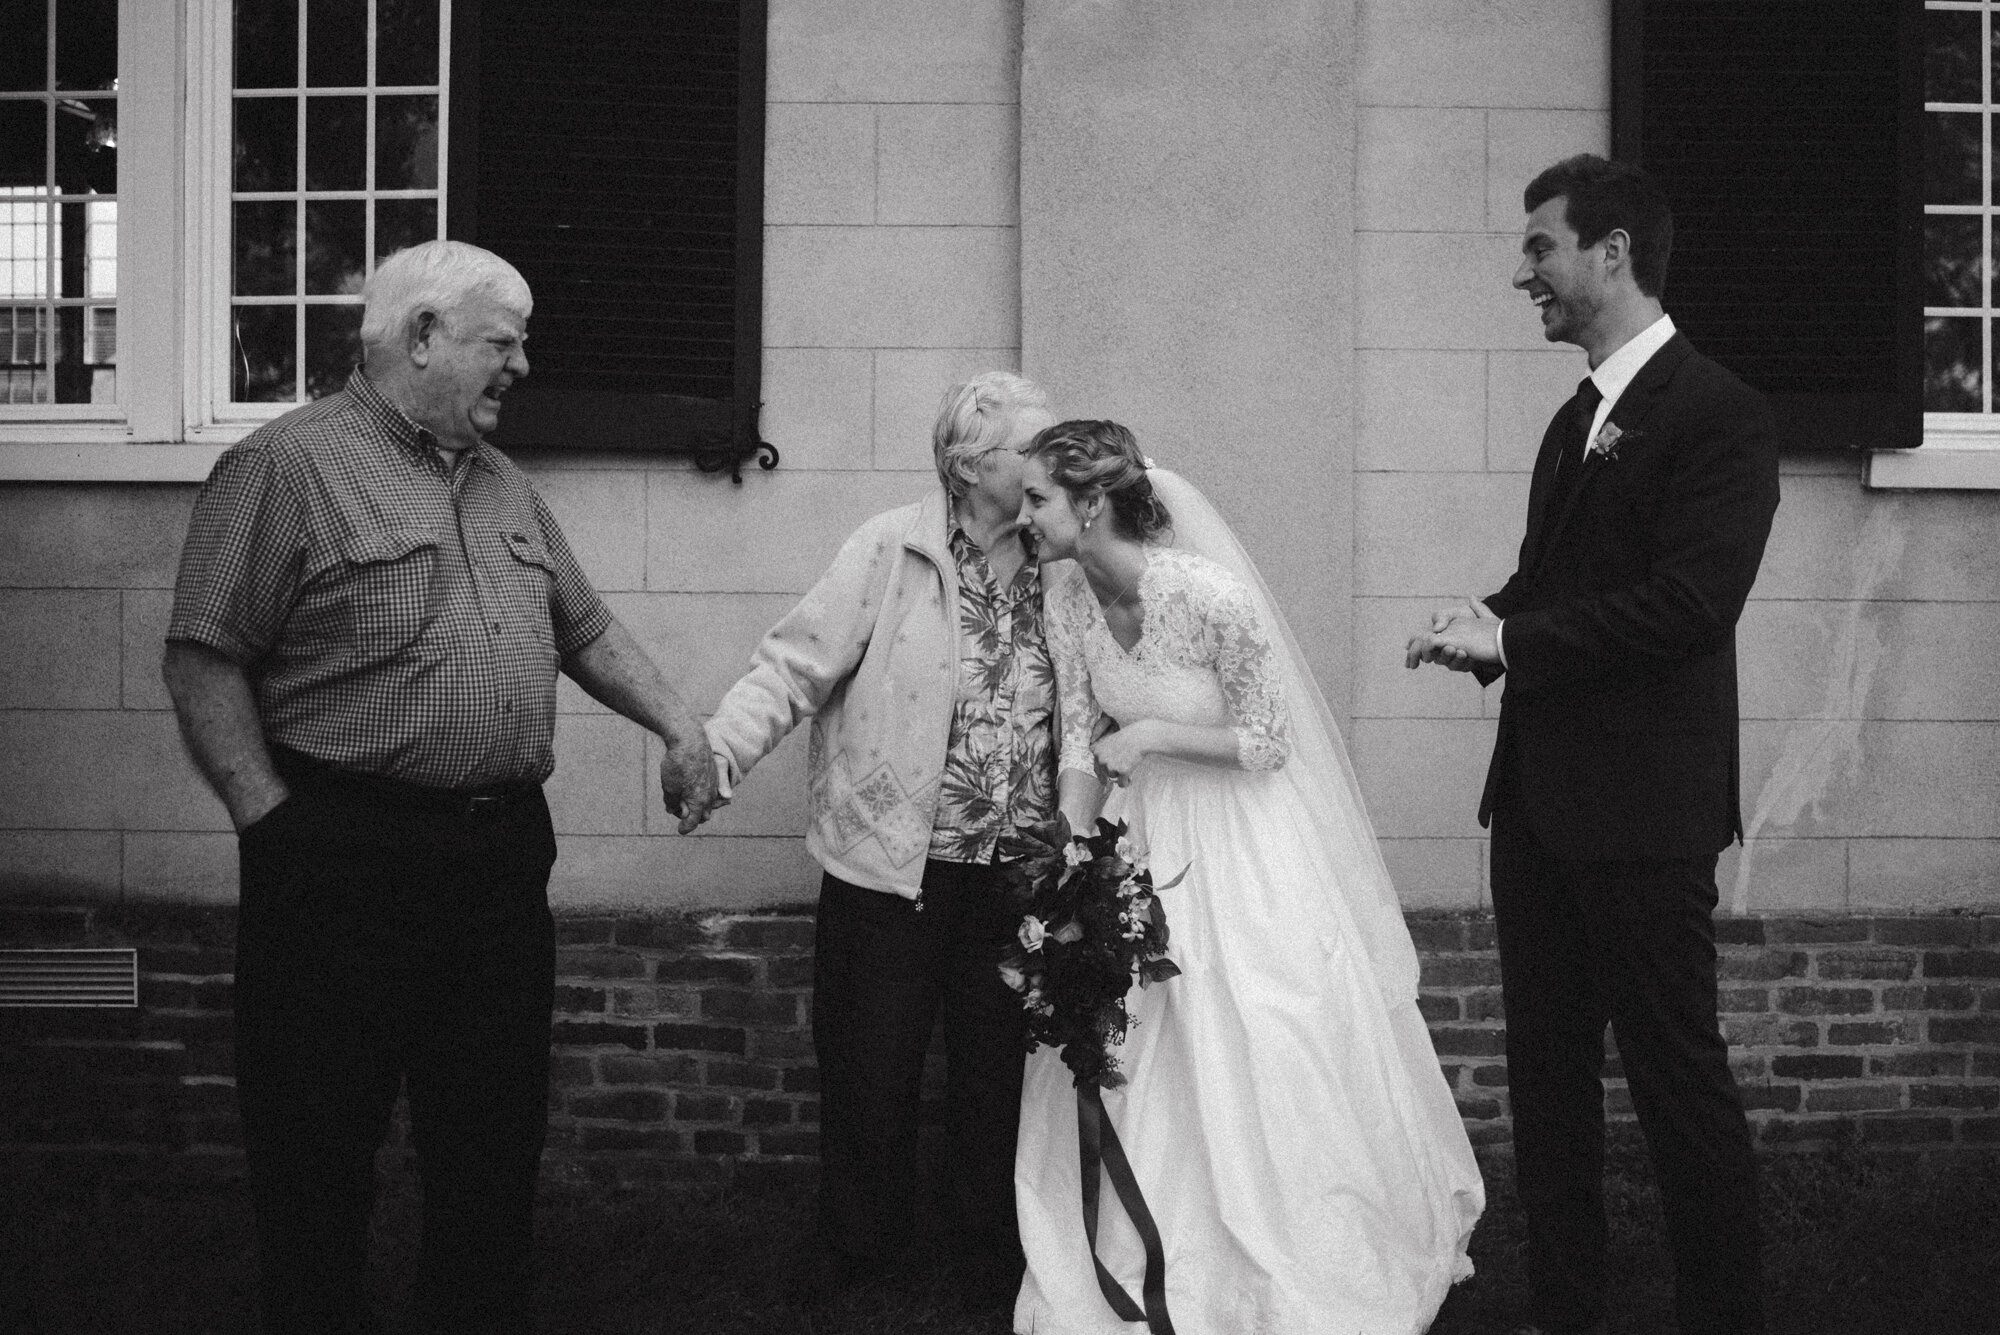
(882, 971)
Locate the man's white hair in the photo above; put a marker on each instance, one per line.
(975, 418)
(435, 276)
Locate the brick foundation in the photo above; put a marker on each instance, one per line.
(1886, 1025)
(683, 1052)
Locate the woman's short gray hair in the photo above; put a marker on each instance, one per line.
(975, 418)
(435, 276)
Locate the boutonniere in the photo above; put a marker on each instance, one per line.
(1609, 437)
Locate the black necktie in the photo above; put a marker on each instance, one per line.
(1569, 464)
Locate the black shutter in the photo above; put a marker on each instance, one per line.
(1787, 136)
(613, 150)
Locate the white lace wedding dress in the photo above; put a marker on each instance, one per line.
(1284, 1116)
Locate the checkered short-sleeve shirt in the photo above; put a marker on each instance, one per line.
(394, 616)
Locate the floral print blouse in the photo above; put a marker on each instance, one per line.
(1000, 761)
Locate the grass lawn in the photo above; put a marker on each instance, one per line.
(1856, 1247)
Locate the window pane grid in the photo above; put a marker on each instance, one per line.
(270, 196)
(58, 213)
(356, 172)
(357, 90)
(1959, 204)
(309, 299)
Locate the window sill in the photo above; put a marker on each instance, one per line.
(1934, 468)
(91, 457)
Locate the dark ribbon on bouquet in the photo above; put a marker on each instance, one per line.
(1098, 1148)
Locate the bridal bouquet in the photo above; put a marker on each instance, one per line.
(1091, 923)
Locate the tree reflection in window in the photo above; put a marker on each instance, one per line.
(58, 202)
(1959, 347)
(335, 163)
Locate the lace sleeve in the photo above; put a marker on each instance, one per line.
(1077, 713)
(1248, 671)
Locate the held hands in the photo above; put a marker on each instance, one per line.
(1461, 638)
(693, 782)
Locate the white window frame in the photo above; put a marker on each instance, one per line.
(1962, 450)
(173, 417)
(125, 439)
(210, 414)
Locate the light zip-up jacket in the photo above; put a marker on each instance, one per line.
(870, 655)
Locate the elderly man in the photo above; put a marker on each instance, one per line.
(920, 657)
(371, 611)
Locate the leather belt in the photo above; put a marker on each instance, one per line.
(488, 800)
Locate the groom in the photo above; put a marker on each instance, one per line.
(1613, 784)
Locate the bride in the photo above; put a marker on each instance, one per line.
(1301, 1166)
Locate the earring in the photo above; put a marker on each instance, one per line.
(1086, 526)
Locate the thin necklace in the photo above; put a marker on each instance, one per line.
(1137, 575)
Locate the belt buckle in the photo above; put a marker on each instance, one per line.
(484, 804)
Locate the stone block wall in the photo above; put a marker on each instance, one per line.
(683, 1055)
(1457, 107)
(1406, 406)
(1871, 726)
(891, 269)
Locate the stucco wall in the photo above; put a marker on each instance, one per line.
(1364, 399)
(1187, 263)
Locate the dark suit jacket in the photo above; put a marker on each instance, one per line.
(1618, 733)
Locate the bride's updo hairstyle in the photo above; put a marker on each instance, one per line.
(1087, 456)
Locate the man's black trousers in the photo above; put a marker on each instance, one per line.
(1632, 944)
(385, 946)
(882, 970)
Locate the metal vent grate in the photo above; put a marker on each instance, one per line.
(69, 977)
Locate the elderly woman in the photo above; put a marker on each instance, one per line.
(920, 658)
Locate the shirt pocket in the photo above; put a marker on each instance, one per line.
(530, 576)
(387, 591)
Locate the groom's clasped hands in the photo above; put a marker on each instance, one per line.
(1461, 637)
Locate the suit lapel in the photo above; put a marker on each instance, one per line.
(1631, 408)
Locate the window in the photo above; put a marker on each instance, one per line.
(1831, 173)
(337, 139)
(192, 193)
(59, 208)
(620, 164)
(1958, 326)
(1777, 130)
(1961, 45)
(617, 162)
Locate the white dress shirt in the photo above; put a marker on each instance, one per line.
(1611, 377)
(1617, 370)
